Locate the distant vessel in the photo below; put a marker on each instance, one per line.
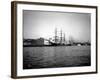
(59, 38)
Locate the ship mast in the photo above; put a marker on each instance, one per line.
(61, 36)
(64, 39)
(55, 35)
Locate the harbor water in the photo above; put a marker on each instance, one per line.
(53, 57)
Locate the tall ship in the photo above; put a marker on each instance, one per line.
(58, 38)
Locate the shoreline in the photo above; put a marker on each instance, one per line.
(51, 45)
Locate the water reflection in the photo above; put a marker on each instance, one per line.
(51, 57)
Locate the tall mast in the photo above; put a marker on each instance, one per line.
(55, 35)
(61, 36)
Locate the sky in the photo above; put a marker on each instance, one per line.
(38, 24)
